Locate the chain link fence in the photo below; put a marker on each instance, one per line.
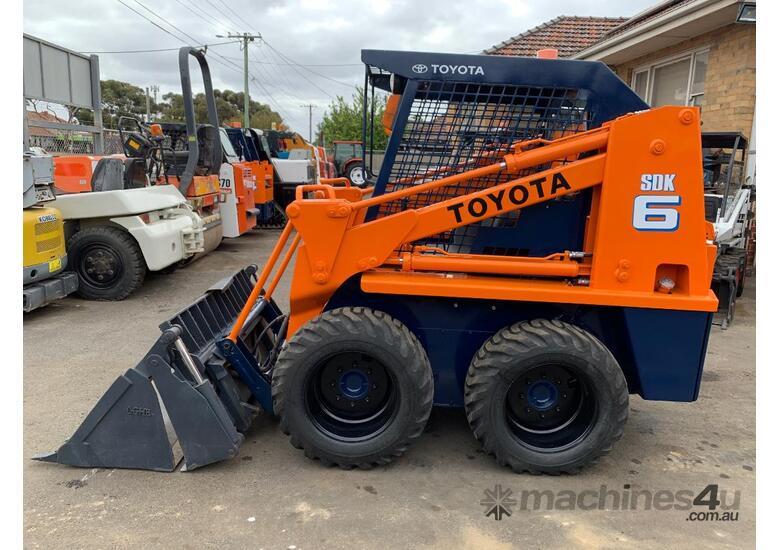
(77, 143)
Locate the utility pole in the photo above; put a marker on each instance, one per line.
(309, 106)
(154, 88)
(245, 38)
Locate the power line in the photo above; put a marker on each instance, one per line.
(281, 78)
(230, 9)
(246, 38)
(307, 79)
(178, 38)
(228, 64)
(293, 64)
(196, 13)
(310, 64)
(223, 14)
(152, 22)
(161, 49)
(166, 21)
(207, 14)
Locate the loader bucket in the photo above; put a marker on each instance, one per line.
(192, 395)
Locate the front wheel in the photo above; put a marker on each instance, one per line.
(108, 261)
(545, 397)
(353, 387)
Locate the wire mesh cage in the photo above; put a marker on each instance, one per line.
(454, 127)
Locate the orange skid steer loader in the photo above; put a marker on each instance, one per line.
(533, 248)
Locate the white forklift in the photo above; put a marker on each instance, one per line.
(153, 208)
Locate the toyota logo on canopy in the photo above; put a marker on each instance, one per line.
(420, 68)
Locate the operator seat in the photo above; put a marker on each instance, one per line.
(210, 153)
(135, 173)
(108, 175)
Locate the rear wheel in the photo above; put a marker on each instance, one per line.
(545, 397)
(108, 261)
(353, 387)
(355, 174)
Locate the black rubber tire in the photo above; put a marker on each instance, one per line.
(348, 173)
(741, 267)
(516, 350)
(741, 280)
(133, 268)
(366, 331)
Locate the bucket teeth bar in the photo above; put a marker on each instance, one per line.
(185, 398)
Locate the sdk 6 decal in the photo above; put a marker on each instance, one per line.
(654, 211)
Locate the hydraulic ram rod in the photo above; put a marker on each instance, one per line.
(261, 279)
(510, 266)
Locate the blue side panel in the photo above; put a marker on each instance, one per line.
(542, 229)
(661, 352)
(669, 349)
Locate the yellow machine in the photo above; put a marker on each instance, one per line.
(44, 256)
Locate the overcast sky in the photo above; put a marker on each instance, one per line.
(325, 37)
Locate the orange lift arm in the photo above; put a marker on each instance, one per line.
(339, 249)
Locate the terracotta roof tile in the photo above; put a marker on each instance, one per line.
(567, 34)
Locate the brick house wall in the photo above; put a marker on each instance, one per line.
(730, 84)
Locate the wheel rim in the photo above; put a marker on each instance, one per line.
(100, 266)
(356, 175)
(351, 396)
(550, 407)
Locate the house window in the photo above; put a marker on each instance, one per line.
(678, 81)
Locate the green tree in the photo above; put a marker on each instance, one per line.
(344, 120)
(230, 108)
(120, 99)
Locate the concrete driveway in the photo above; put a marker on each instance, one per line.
(271, 496)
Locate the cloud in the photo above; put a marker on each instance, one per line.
(326, 36)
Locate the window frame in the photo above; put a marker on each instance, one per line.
(650, 68)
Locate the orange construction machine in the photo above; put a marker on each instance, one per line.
(533, 249)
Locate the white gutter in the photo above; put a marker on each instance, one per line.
(657, 25)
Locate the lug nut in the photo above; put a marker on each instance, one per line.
(528, 409)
